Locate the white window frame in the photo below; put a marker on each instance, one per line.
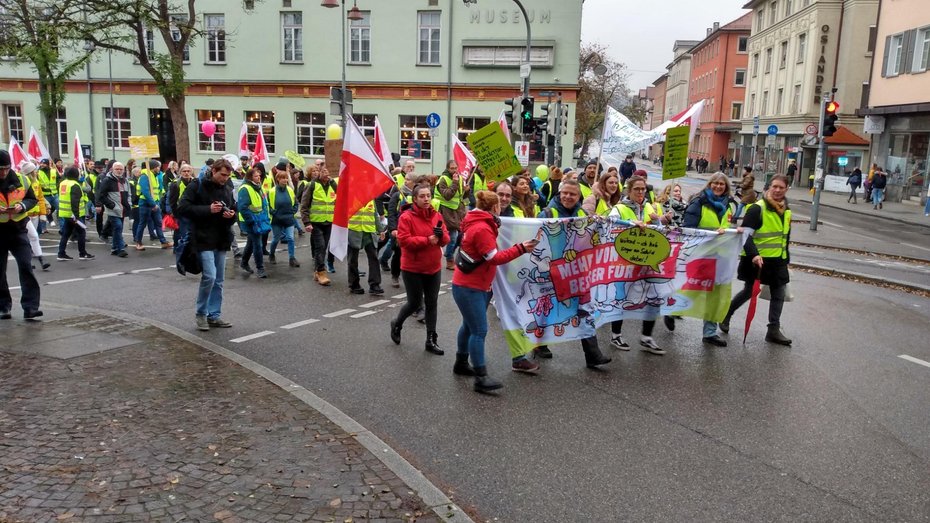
(176, 36)
(255, 120)
(779, 101)
(764, 109)
(365, 122)
(755, 65)
(466, 125)
(360, 32)
(121, 127)
(9, 122)
(216, 143)
(315, 130)
(796, 99)
(430, 29)
(788, 5)
(61, 127)
(773, 13)
(413, 127)
(760, 19)
(736, 82)
(921, 51)
(783, 54)
(292, 30)
(802, 47)
(769, 52)
(895, 64)
(752, 105)
(215, 37)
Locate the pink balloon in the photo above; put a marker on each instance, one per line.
(208, 128)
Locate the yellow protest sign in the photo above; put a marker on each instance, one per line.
(141, 147)
(494, 153)
(295, 159)
(676, 152)
(647, 247)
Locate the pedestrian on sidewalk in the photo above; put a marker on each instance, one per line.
(209, 205)
(854, 182)
(16, 199)
(879, 182)
(71, 215)
(421, 235)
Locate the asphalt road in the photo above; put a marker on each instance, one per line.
(834, 428)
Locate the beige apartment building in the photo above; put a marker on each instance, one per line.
(897, 107)
(657, 117)
(798, 51)
(679, 74)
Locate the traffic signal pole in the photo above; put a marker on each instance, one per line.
(820, 165)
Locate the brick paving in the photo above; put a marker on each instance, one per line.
(163, 430)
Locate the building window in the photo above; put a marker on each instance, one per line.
(739, 78)
(736, 110)
(921, 51)
(360, 39)
(149, 36)
(773, 13)
(365, 122)
(176, 36)
(779, 100)
(796, 100)
(217, 142)
(802, 47)
(768, 60)
(760, 19)
(755, 64)
(765, 103)
(61, 127)
(428, 30)
(292, 37)
(117, 127)
(311, 133)
(509, 56)
(264, 120)
(783, 55)
(415, 140)
(752, 104)
(742, 44)
(13, 123)
(788, 5)
(469, 124)
(216, 38)
(894, 51)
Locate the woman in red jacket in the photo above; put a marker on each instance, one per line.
(421, 236)
(472, 290)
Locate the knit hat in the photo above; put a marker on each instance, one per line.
(5, 159)
(27, 168)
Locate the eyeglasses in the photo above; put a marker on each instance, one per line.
(638, 189)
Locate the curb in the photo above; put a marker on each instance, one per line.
(434, 498)
(881, 282)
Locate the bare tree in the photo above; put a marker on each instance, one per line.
(38, 33)
(603, 82)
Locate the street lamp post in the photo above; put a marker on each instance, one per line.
(89, 48)
(113, 140)
(353, 14)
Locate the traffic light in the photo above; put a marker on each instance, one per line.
(546, 120)
(563, 119)
(513, 107)
(528, 125)
(829, 118)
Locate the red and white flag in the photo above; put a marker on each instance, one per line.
(260, 154)
(690, 116)
(78, 155)
(362, 177)
(243, 141)
(35, 147)
(462, 156)
(381, 145)
(502, 120)
(18, 155)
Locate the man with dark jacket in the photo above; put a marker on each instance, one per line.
(16, 198)
(211, 209)
(627, 168)
(398, 199)
(113, 197)
(71, 215)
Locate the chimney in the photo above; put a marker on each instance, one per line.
(716, 25)
(709, 30)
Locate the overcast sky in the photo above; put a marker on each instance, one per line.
(640, 33)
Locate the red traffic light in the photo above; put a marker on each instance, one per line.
(833, 107)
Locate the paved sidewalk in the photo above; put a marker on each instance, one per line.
(155, 428)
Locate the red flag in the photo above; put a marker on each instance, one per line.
(78, 155)
(502, 120)
(463, 157)
(243, 141)
(381, 146)
(751, 312)
(35, 148)
(261, 152)
(17, 154)
(362, 177)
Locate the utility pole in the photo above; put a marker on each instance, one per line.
(820, 164)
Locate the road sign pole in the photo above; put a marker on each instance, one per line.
(820, 163)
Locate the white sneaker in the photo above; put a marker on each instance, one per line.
(649, 345)
(618, 343)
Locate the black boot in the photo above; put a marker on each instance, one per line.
(774, 335)
(593, 356)
(483, 383)
(461, 367)
(395, 332)
(431, 345)
(725, 324)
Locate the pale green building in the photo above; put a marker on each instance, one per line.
(273, 66)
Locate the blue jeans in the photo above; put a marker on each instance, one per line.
(149, 214)
(184, 226)
(877, 195)
(210, 294)
(387, 251)
(473, 304)
(253, 247)
(279, 233)
(710, 328)
(927, 206)
(117, 225)
(450, 247)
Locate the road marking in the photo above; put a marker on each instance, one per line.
(137, 271)
(396, 304)
(343, 312)
(399, 296)
(441, 293)
(72, 280)
(363, 314)
(915, 360)
(102, 276)
(374, 304)
(299, 323)
(251, 336)
(916, 246)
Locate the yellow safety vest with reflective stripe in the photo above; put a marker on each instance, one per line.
(323, 203)
(40, 208)
(602, 208)
(64, 199)
(629, 214)
(400, 179)
(15, 196)
(48, 181)
(518, 212)
(585, 190)
(255, 200)
(456, 198)
(772, 238)
(364, 219)
(154, 186)
(268, 184)
(273, 193)
(579, 214)
(480, 184)
(710, 220)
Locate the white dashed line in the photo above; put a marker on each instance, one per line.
(72, 280)
(137, 271)
(442, 292)
(399, 296)
(915, 246)
(374, 304)
(299, 323)
(343, 312)
(915, 360)
(102, 276)
(251, 336)
(363, 314)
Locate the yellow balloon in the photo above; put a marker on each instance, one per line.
(542, 172)
(333, 132)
